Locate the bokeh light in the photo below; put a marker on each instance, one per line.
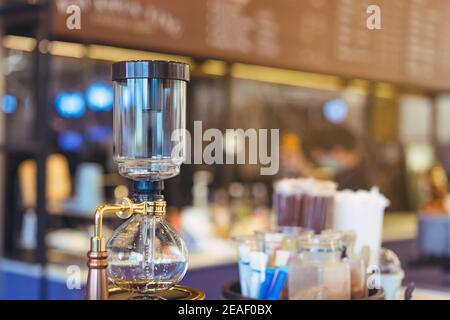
(9, 103)
(335, 110)
(70, 104)
(100, 96)
(98, 133)
(70, 141)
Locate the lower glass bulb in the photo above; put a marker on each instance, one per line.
(146, 255)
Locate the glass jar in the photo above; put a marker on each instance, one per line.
(317, 272)
(146, 255)
(281, 239)
(357, 265)
(149, 118)
(279, 246)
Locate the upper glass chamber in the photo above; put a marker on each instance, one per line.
(149, 118)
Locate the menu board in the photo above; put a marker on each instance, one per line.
(412, 47)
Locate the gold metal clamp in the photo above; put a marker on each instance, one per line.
(123, 211)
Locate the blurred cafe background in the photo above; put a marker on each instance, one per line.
(357, 106)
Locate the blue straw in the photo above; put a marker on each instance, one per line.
(278, 283)
(264, 288)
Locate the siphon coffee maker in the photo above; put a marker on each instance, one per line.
(145, 258)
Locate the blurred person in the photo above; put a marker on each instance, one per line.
(292, 157)
(437, 201)
(334, 148)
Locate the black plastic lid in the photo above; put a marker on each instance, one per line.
(153, 69)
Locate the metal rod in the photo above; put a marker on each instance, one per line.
(42, 98)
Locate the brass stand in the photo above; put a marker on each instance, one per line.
(175, 293)
(97, 282)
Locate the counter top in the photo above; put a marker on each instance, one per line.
(59, 272)
(427, 294)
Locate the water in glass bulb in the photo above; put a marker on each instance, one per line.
(146, 255)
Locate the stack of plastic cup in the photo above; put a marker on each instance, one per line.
(304, 202)
(361, 211)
